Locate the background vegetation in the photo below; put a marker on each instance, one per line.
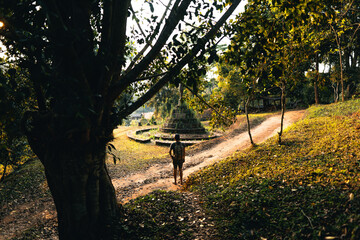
(306, 188)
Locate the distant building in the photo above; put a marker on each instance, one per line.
(148, 115)
(135, 116)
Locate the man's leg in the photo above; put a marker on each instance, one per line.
(181, 174)
(175, 172)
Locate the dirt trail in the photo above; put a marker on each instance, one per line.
(159, 176)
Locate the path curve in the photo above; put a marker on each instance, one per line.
(159, 176)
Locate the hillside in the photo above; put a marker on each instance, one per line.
(306, 188)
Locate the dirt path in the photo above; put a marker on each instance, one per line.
(159, 176)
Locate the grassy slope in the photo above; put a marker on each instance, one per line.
(164, 215)
(307, 188)
(134, 156)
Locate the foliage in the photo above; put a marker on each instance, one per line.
(14, 101)
(307, 188)
(166, 99)
(342, 18)
(228, 94)
(288, 38)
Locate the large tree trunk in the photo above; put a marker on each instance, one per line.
(83, 193)
(78, 179)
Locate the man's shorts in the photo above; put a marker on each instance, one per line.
(178, 163)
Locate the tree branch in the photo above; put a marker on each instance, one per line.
(148, 77)
(177, 68)
(149, 42)
(177, 13)
(112, 48)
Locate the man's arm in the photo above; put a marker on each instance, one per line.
(183, 152)
(171, 149)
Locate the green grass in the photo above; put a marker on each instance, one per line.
(135, 156)
(335, 109)
(255, 119)
(307, 188)
(159, 215)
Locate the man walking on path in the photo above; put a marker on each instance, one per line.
(177, 153)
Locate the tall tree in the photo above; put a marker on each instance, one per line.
(75, 53)
(268, 44)
(344, 27)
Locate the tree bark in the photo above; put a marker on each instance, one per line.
(83, 193)
(341, 77)
(283, 106)
(316, 80)
(78, 179)
(336, 92)
(337, 38)
(248, 121)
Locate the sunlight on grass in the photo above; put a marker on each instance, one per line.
(134, 155)
(306, 188)
(335, 109)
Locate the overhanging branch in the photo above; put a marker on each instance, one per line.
(149, 42)
(177, 13)
(177, 68)
(149, 77)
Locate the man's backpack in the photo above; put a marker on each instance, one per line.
(179, 151)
